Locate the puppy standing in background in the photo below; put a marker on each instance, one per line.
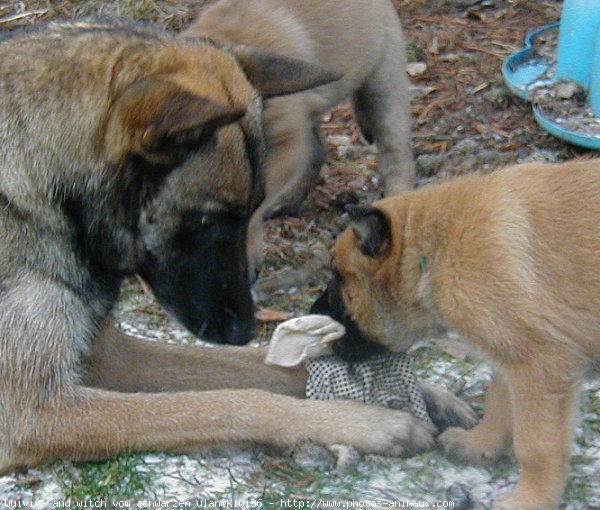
(362, 40)
(511, 261)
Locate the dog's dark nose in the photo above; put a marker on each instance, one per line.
(233, 331)
(240, 332)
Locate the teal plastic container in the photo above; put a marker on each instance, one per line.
(577, 59)
(579, 24)
(594, 91)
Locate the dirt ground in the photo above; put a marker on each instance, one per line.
(465, 120)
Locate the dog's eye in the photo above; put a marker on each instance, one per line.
(205, 222)
(208, 223)
(197, 220)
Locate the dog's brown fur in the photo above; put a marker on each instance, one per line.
(511, 261)
(362, 40)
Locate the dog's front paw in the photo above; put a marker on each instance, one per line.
(381, 431)
(464, 446)
(398, 434)
(446, 409)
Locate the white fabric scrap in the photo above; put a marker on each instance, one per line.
(298, 340)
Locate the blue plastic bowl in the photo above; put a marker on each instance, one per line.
(523, 72)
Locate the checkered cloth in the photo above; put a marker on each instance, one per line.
(385, 379)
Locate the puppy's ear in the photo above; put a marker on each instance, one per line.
(276, 75)
(372, 229)
(163, 122)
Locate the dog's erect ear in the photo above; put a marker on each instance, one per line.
(162, 120)
(372, 229)
(276, 75)
(183, 118)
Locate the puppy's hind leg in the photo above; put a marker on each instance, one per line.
(382, 109)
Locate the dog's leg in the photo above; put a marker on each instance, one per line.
(294, 159)
(121, 363)
(447, 410)
(303, 164)
(491, 437)
(382, 108)
(543, 393)
(88, 424)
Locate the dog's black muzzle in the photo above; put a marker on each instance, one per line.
(200, 275)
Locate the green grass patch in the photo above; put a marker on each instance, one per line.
(126, 477)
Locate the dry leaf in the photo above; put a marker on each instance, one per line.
(271, 315)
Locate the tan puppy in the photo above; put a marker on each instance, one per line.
(511, 261)
(359, 38)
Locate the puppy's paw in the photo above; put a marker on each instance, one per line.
(518, 500)
(464, 446)
(381, 431)
(446, 409)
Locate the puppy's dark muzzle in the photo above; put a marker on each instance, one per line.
(354, 346)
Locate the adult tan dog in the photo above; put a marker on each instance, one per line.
(125, 150)
(359, 38)
(511, 261)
